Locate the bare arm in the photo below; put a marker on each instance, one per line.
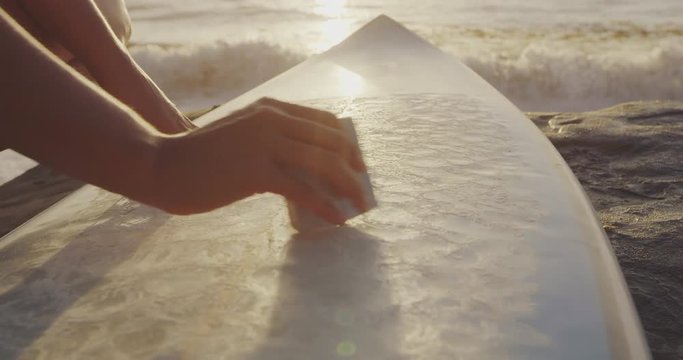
(54, 115)
(81, 28)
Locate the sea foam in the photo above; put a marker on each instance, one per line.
(545, 78)
(571, 69)
(198, 76)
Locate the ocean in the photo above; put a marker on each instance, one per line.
(544, 55)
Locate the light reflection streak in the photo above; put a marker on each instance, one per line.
(336, 27)
(350, 83)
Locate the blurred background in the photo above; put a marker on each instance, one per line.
(544, 55)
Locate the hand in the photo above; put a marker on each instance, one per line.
(255, 150)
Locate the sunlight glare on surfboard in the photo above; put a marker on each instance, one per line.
(350, 83)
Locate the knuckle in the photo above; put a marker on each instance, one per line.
(267, 114)
(265, 100)
(327, 114)
(329, 118)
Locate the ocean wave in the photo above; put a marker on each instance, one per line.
(575, 32)
(196, 76)
(543, 77)
(551, 73)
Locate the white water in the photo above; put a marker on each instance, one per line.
(542, 54)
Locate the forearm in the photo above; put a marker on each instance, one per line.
(128, 82)
(53, 115)
(82, 29)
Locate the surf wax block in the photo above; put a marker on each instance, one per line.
(304, 220)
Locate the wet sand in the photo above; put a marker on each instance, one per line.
(629, 159)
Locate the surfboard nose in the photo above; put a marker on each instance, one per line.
(381, 32)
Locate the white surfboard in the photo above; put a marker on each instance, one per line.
(483, 246)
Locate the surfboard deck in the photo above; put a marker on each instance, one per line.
(484, 245)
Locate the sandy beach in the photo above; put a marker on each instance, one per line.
(628, 158)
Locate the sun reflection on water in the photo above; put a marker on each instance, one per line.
(336, 27)
(332, 32)
(330, 8)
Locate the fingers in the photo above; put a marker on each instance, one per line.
(299, 192)
(269, 114)
(331, 139)
(319, 162)
(295, 137)
(323, 117)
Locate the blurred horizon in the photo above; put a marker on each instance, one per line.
(544, 55)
